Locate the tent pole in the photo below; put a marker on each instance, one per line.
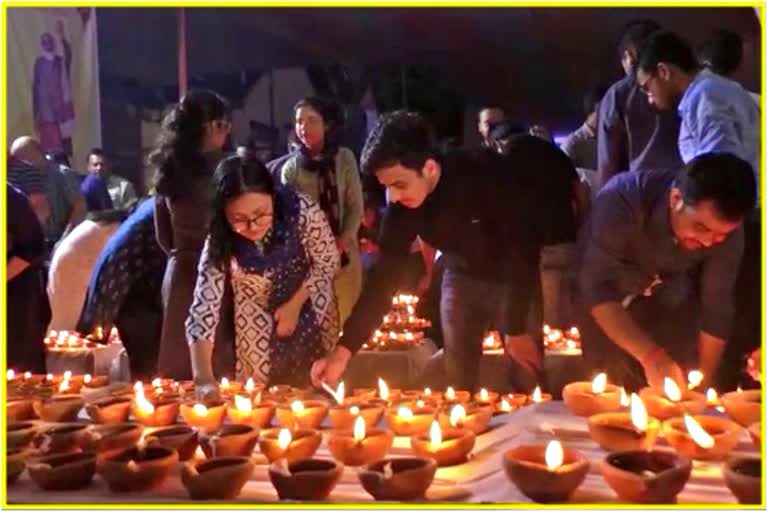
(182, 47)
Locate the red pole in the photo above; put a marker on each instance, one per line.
(182, 64)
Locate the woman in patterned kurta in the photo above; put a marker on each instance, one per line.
(278, 251)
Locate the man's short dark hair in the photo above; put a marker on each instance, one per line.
(723, 178)
(669, 48)
(399, 137)
(635, 33)
(721, 52)
(96, 152)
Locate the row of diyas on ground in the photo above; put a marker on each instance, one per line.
(61, 453)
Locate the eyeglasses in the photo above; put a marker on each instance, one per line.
(645, 84)
(245, 224)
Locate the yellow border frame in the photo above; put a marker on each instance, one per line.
(761, 6)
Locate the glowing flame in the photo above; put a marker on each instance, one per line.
(435, 434)
(243, 404)
(546, 329)
(250, 386)
(694, 378)
(284, 438)
(87, 379)
(458, 415)
(671, 390)
(64, 385)
(599, 383)
(624, 398)
(420, 403)
(554, 455)
(359, 429)
(409, 336)
(574, 332)
(711, 396)
(354, 410)
(138, 388)
(49, 377)
(383, 389)
(450, 394)
(427, 392)
(505, 405)
(700, 436)
(297, 406)
(484, 395)
(536, 396)
(200, 409)
(27, 375)
(224, 383)
(10, 374)
(405, 413)
(570, 344)
(638, 413)
(143, 404)
(67, 375)
(157, 383)
(340, 392)
(738, 389)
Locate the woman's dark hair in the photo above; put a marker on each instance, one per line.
(179, 152)
(333, 117)
(233, 178)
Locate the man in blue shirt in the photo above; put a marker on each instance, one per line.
(647, 236)
(716, 114)
(631, 136)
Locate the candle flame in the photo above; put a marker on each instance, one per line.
(554, 455)
(243, 404)
(450, 394)
(383, 389)
(546, 329)
(10, 374)
(427, 392)
(599, 383)
(536, 397)
(671, 390)
(340, 392)
(711, 396)
(700, 436)
(738, 389)
(49, 376)
(484, 395)
(435, 434)
(574, 332)
(297, 406)
(143, 404)
(624, 398)
(224, 383)
(250, 386)
(87, 379)
(354, 410)
(694, 378)
(64, 386)
(505, 405)
(359, 429)
(420, 403)
(200, 409)
(67, 375)
(284, 438)
(405, 413)
(638, 413)
(27, 375)
(458, 415)
(138, 387)
(157, 382)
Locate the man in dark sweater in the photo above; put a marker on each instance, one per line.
(482, 211)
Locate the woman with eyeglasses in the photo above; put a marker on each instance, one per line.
(276, 249)
(189, 148)
(328, 174)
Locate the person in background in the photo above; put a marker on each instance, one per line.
(190, 145)
(487, 118)
(581, 145)
(27, 307)
(721, 53)
(542, 132)
(72, 263)
(632, 136)
(276, 248)
(94, 189)
(328, 174)
(647, 236)
(121, 190)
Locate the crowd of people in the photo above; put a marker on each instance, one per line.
(642, 228)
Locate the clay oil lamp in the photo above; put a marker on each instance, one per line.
(742, 476)
(208, 417)
(247, 410)
(71, 383)
(308, 414)
(95, 383)
(181, 438)
(160, 413)
(537, 397)
(19, 434)
(451, 396)
(382, 393)
(447, 448)
(406, 421)
(230, 441)
(743, 406)
(283, 393)
(343, 417)
(426, 395)
(15, 460)
(695, 378)
(625, 431)
(474, 418)
(62, 472)
(19, 409)
(672, 402)
(641, 476)
(251, 389)
(486, 397)
(221, 478)
(228, 388)
(756, 432)
(361, 445)
(590, 398)
(702, 437)
(404, 479)
(137, 469)
(504, 406)
(58, 408)
(60, 438)
(112, 438)
(109, 410)
(306, 479)
(282, 443)
(545, 474)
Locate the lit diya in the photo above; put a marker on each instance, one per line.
(157, 413)
(251, 411)
(407, 421)
(282, 443)
(624, 431)
(452, 396)
(743, 407)
(426, 395)
(208, 416)
(360, 446)
(93, 383)
(646, 476)
(474, 418)
(672, 402)
(743, 478)
(545, 474)
(343, 417)
(448, 448)
(702, 437)
(383, 392)
(486, 397)
(590, 398)
(503, 406)
(302, 414)
(538, 397)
